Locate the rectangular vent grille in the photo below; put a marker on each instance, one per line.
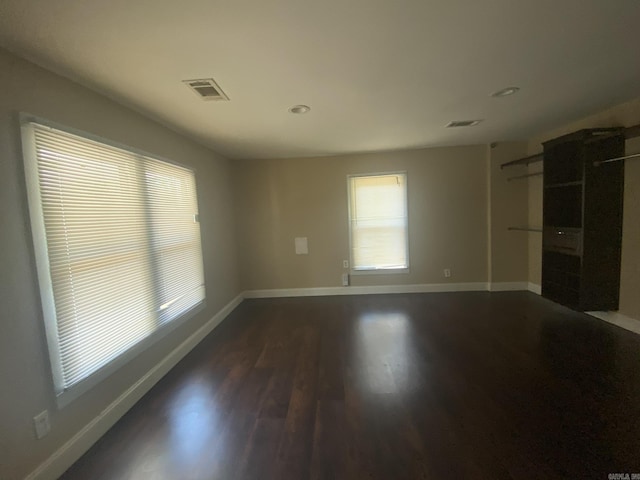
(207, 89)
(463, 123)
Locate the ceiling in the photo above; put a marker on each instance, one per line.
(378, 74)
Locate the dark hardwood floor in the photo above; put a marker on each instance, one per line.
(419, 386)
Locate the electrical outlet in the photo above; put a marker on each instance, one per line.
(345, 263)
(41, 424)
(447, 272)
(345, 279)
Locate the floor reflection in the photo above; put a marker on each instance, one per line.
(382, 350)
(194, 420)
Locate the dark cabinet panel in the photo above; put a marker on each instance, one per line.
(563, 163)
(563, 206)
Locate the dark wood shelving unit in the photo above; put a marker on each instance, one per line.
(583, 181)
(582, 219)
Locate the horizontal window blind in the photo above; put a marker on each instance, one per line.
(378, 221)
(123, 247)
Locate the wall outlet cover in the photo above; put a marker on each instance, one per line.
(41, 424)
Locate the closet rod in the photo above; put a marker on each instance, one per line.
(617, 159)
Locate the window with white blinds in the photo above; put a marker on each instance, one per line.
(378, 221)
(117, 243)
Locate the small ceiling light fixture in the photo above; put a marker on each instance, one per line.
(299, 109)
(505, 92)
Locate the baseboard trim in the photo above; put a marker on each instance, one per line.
(618, 319)
(534, 288)
(508, 286)
(74, 448)
(368, 290)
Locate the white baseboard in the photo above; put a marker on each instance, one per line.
(534, 288)
(74, 448)
(508, 286)
(368, 290)
(615, 318)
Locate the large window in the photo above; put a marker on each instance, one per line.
(117, 244)
(378, 222)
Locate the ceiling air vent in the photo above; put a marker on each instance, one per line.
(463, 123)
(207, 89)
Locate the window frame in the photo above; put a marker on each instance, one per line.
(43, 274)
(377, 271)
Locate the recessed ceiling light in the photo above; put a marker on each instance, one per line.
(505, 92)
(299, 109)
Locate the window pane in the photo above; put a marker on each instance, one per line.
(94, 220)
(175, 237)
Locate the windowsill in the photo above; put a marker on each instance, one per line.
(380, 271)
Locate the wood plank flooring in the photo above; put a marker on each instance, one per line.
(419, 386)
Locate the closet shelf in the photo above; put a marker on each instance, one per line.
(565, 184)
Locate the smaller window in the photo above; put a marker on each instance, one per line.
(378, 222)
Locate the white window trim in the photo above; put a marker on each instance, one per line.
(377, 271)
(41, 254)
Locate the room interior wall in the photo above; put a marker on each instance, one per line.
(508, 206)
(24, 369)
(277, 200)
(625, 115)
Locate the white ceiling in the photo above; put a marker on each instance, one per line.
(378, 74)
